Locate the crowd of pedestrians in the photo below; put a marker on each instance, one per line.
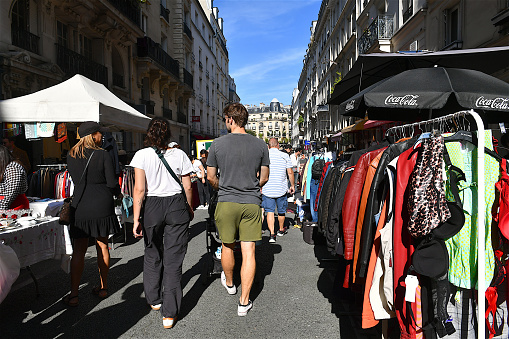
(250, 177)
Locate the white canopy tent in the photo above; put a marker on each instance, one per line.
(78, 99)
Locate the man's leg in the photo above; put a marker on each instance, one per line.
(248, 270)
(228, 262)
(270, 222)
(281, 219)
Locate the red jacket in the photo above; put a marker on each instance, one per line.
(403, 246)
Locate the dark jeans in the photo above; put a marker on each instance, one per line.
(203, 191)
(313, 190)
(165, 232)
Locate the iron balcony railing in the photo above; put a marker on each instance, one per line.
(200, 97)
(188, 78)
(148, 48)
(187, 31)
(181, 117)
(73, 63)
(25, 39)
(407, 14)
(207, 74)
(165, 13)
(167, 113)
(381, 28)
(118, 80)
(129, 8)
(200, 65)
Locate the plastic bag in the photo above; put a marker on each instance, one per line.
(9, 269)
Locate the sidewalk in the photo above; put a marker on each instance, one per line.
(291, 297)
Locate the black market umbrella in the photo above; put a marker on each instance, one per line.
(413, 94)
(368, 69)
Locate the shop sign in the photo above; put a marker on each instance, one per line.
(195, 118)
(307, 142)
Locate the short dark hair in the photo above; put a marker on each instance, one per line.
(237, 112)
(204, 151)
(5, 159)
(158, 133)
(298, 149)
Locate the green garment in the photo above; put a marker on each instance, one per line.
(463, 246)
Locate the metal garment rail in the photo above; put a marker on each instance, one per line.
(481, 210)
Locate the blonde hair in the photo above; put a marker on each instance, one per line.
(79, 149)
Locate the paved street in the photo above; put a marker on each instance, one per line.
(291, 297)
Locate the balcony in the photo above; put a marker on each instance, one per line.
(118, 80)
(165, 13)
(213, 107)
(407, 14)
(73, 63)
(148, 48)
(167, 113)
(182, 118)
(207, 74)
(25, 39)
(200, 97)
(188, 78)
(213, 80)
(187, 31)
(129, 8)
(381, 28)
(200, 65)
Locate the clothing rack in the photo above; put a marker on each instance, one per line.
(454, 118)
(60, 166)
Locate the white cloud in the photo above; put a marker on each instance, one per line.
(260, 70)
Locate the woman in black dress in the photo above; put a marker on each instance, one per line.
(95, 212)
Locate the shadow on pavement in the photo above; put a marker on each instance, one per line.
(52, 318)
(265, 253)
(193, 295)
(197, 229)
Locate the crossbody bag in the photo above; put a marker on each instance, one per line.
(165, 163)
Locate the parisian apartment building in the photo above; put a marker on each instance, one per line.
(346, 28)
(165, 57)
(270, 121)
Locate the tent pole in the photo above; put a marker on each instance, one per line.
(481, 284)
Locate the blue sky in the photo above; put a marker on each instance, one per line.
(267, 41)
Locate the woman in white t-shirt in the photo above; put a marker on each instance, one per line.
(165, 214)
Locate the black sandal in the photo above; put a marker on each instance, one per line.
(68, 300)
(97, 291)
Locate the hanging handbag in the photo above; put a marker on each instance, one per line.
(66, 215)
(161, 156)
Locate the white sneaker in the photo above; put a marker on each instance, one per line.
(169, 322)
(243, 309)
(231, 290)
(201, 207)
(156, 307)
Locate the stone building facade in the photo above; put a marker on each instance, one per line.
(346, 28)
(270, 121)
(141, 51)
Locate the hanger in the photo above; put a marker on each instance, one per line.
(468, 137)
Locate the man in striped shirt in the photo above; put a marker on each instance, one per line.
(274, 193)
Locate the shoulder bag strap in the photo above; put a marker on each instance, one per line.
(161, 156)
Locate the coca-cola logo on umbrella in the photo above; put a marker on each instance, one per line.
(404, 100)
(350, 105)
(496, 103)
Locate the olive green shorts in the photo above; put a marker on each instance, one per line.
(236, 221)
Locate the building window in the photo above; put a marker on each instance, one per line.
(86, 46)
(62, 34)
(20, 15)
(452, 25)
(144, 21)
(164, 43)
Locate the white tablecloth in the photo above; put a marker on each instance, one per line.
(46, 208)
(46, 240)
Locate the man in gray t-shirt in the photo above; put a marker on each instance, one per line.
(243, 161)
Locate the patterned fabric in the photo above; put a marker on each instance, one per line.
(14, 184)
(45, 129)
(31, 130)
(463, 246)
(427, 206)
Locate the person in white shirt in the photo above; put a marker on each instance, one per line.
(294, 158)
(203, 192)
(165, 214)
